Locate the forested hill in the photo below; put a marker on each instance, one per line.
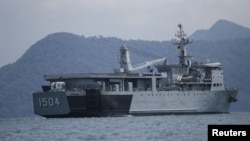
(70, 53)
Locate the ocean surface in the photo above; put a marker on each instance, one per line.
(129, 128)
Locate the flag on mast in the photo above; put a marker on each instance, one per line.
(177, 47)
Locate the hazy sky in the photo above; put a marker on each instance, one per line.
(24, 22)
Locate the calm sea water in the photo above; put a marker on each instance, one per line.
(130, 128)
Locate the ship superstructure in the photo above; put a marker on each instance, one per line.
(183, 88)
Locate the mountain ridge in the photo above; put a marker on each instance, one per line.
(222, 30)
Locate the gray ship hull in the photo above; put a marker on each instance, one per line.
(180, 102)
(58, 104)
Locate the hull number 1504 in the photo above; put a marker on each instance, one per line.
(49, 102)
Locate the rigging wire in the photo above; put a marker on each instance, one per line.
(142, 52)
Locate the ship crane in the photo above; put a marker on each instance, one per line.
(125, 63)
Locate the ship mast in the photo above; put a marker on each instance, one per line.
(180, 43)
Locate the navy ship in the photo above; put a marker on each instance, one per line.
(183, 88)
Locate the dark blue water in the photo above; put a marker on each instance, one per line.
(130, 128)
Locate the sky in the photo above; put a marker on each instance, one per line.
(24, 22)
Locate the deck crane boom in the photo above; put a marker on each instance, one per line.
(125, 63)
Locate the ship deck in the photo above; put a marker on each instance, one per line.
(102, 75)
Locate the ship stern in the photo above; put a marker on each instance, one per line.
(49, 104)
